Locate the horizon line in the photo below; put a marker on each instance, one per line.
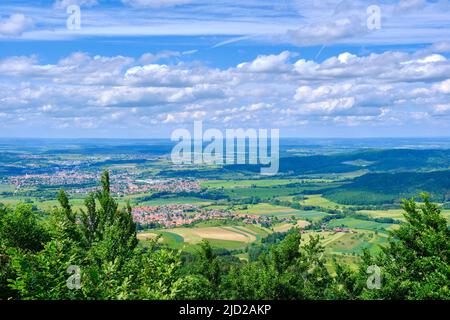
(168, 138)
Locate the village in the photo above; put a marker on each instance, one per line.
(175, 215)
(81, 183)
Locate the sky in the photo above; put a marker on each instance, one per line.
(144, 68)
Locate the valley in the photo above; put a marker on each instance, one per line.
(349, 196)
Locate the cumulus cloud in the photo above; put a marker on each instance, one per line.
(161, 75)
(78, 68)
(388, 88)
(15, 25)
(183, 117)
(307, 93)
(267, 63)
(330, 105)
(392, 66)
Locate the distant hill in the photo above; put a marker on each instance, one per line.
(374, 160)
(378, 188)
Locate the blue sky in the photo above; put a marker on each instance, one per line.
(142, 68)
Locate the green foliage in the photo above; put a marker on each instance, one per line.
(289, 271)
(415, 264)
(192, 287)
(43, 275)
(20, 228)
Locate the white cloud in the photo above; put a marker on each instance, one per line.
(392, 66)
(442, 109)
(327, 32)
(443, 87)
(298, 22)
(306, 93)
(15, 25)
(419, 115)
(161, 75)
(267, 63)
(328, 106)
(346, 89)
(47, 108)
(442, 46)
(183, 117)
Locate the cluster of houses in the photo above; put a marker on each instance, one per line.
(172, 185)
(175, 215)
(125, 185)
(122, 183)
(59, 178)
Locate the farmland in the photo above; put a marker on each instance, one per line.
(320, 201)
(227, 237)
(268, 209)
(395, 214)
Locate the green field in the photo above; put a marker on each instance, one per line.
(268, 209)
(230, 184)
(395, 214)
(7, 188)
(312, 216)
(318, 201)
(282, 212)
(177, 200)
(227, 237)
(353, 223)
(266, 193)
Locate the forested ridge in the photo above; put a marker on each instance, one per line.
(100, 243)
(379, 188)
